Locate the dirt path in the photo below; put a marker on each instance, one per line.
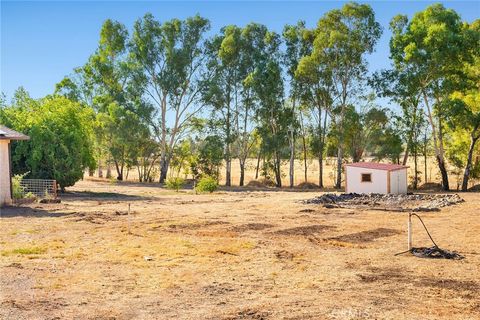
(230, 255)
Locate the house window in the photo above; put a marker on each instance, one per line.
(366, 177)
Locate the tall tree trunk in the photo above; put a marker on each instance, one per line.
(258, 164)
(109, 170)
(322, 146)
(278, 175)
(304, 142)
(468, 167)
(100, 170)
(320, 169)
(228, 173)
(292, 159)
(405, 156)
(242, 171)
(437, 143)
(119, 171)
(228, 156)
(163, 168)
(425, 155)
(415, 166)
(338, 183)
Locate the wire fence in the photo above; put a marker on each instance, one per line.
(40, 188)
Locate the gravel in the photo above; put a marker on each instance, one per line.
(387, 202)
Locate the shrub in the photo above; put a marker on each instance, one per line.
(207, 184)
(175, 183)
(17, 189)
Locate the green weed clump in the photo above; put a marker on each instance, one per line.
(25, 251)
(175, 183)
(207, 184)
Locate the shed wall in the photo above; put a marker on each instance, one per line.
(355, 184)
(398, 181)
(5, 196)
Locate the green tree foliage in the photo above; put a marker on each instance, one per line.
(464, 114)
(210, 156)
(207, 184)
(337, 62)
(122, 112)
(222, 87)
(166, 96)
(274, 119)
(171, 58)
(430, 48)
(60, 145)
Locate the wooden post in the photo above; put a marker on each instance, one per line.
(128, 219)
(409, 228)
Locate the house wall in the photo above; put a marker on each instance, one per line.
(355, 185)
(398, 181)
(5, 196)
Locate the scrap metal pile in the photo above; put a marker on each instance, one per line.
(387, 202)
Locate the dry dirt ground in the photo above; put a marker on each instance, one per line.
(230, 255)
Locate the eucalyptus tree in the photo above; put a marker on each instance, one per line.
(252, 57)
(402, 89)
(430, 47)
(172, 59)
(273, 118)
(222, 86)
(296, 48)
(116, 89)
(465, 100)
(341, 40)
(316, 88)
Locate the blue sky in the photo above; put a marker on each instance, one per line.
(41, 42)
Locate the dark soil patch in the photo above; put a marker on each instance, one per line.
(252, 226)
(216, 289)
(383, 275)
(249, 314)
(366, 236)
(451, 284)
(96, 218)
(50, 201)
(284, 255)
(304, 230)
(306, 210)
(195, 226)
(395, 275)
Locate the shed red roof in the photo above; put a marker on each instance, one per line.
(377, 166)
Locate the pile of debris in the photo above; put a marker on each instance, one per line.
(435, 253)
(387, 202)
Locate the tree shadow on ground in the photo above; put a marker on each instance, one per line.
(98, 196)
(19, 211)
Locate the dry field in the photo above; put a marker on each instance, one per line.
(433, 174)
(236, 254)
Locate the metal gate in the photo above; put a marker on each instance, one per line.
(40, 188)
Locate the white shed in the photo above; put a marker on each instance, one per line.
(7, 135)
(372, 177)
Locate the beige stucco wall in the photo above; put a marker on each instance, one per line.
(5, 197)
(355, 185)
